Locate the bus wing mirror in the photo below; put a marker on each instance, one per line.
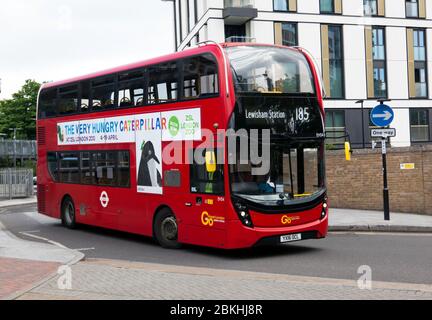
(347, 151)
(210, 160)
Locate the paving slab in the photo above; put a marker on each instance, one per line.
(26, 264)
(115, 279)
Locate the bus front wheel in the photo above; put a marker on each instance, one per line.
(68, 213)
(166, 229)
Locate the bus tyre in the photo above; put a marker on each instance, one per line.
(166, 229)
(68, 213)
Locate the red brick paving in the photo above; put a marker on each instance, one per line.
(17, 275)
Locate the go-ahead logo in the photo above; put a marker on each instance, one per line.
(288, 219)
(209, 220)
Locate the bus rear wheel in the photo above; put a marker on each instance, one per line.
(68, 213)
(166, 229)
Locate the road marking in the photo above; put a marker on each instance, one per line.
(383, 233)
(32, 231)
(84, 249)
(44, 239)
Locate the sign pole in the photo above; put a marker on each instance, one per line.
(385, 190)
(382, 116)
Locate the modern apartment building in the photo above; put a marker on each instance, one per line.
(367, 50)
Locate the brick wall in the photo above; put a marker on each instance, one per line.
(358, 184)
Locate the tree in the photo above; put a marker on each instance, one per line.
(20, 112)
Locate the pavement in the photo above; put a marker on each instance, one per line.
(373, 221)
(98, 279)
(26, 264)
(17, 202)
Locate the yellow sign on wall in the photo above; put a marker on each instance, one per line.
(407, 166)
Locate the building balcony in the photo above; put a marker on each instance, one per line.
(237, 12)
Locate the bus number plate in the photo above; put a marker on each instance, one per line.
(290, 237)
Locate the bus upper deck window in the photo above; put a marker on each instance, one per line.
(131, 89)
(68, 100)
(47, 103)
(103, 94)
(163, 83)
(200, 77)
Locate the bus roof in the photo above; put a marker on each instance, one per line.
(161, 59)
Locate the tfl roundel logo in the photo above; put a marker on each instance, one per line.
(104, 199)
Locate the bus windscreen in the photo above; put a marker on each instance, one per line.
(270, 70)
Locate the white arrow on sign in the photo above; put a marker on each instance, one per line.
(386, 115)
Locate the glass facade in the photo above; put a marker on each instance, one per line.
(370, 7)
(280, 5)
(412, 8)
(379, 62)
(289, 34)
(419, 125)
(336, 62)
(327, 6)
(335, 127)
(420, 63)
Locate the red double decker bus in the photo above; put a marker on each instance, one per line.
(142, 149)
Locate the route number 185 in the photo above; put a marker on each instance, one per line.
(302, 114)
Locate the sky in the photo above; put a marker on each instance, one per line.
(50, 40)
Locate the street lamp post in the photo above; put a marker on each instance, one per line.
(175, 22)
(14, 144)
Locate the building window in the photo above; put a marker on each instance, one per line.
(335, 127)
(335, 61)
(289, 34)
(327, 6)
(419, 124)
(420, 63)
(379, 62)
(280, 5)
(285, 5)
(412, 8)
(236, 33)
(370, 7)
(286, 34)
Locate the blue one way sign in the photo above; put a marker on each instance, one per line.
(382, 115)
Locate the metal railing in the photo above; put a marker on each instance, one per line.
(16, 183)
(19, 148)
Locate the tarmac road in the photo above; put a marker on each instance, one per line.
(392, 257)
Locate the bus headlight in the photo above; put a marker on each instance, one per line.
(324, 209)
(243, 214)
